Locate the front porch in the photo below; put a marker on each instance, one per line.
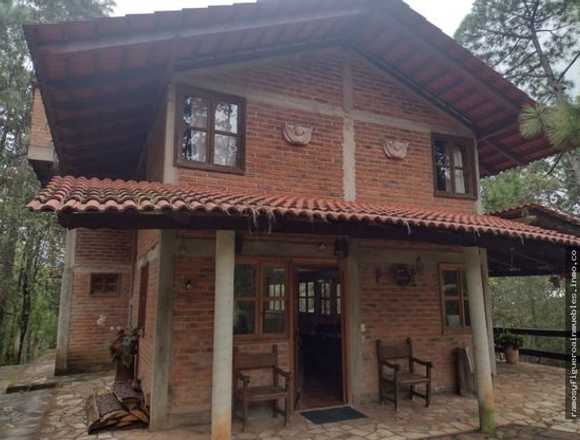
(529, 400)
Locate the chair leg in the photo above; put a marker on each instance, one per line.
(396, 396)
(274, 409)
(428, 394)
(412, 391)
(245, 415)
(286, 410)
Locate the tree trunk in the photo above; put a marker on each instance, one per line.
(575, 161)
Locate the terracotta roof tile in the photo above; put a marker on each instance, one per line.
(531, 207)
(82, 195)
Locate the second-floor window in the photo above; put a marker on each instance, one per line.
(454, 167)
(210, 131)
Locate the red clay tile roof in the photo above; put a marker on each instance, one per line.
(518, 211)
(82, 195)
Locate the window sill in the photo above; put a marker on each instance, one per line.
(447, 195)
(206, 167)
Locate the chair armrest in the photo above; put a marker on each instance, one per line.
(428, 364)
(391, 365)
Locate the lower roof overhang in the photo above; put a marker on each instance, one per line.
(514, 249)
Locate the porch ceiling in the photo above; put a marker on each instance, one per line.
(515, 248)
(102, 81)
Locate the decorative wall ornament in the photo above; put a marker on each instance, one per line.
(396, 150)
(297, 134)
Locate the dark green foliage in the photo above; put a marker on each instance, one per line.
(532, 42)
(30, 244)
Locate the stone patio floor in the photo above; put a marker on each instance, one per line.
(529, 398)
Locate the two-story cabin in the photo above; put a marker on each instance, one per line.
(299, 173)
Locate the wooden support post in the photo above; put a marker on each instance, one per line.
(64, 308)
(223, 340)
(484, 381)
(162, 347)
(488, 310)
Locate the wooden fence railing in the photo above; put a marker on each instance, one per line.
(540, 333)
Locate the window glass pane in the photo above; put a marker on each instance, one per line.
(244, 317)
(452, 316)
(458, 162)
(245, 281)
(302, 305)
(443, 171)
(274, 282)
(274, 300)
(226, 150)
(194, 145)
(451, 283)
(226, 117)
(195, 112)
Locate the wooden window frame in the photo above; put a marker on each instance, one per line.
(184, 91)
(260, 264)
(102, 293)
(453, 267)
(468, 148)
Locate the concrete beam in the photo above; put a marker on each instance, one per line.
(348, 135)
(162, 346)
(64, 308)
(223, 338)
(481, 347)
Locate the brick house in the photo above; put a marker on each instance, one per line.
(296, 172)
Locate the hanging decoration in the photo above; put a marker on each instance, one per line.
(297, 134)
(396, 150)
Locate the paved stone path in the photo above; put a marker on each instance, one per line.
(21, 414)
(529, 406)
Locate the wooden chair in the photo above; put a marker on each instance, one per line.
(244, 393)
(393, 374)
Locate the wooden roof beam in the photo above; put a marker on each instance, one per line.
(503, 150)
(436, 51)
(132, 39)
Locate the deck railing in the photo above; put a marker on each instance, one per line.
(536, 333)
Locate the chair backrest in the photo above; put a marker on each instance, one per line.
(393, 351)
(255, 361)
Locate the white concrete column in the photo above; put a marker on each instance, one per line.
(354, 322)
(223, 338)
(488, 310)
(484, 381)
(64, 308)
(348, 136)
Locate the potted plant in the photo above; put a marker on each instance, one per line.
(123, 349)
(511, 345)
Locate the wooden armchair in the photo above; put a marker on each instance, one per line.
(244, 393)
(393, 373)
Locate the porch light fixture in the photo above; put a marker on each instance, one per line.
(188, 284)
(322, 246)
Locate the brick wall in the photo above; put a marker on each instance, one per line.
(98, 251)
(387, 312)
(314, 82)
(393, 313)
(146, 245)
(191, 369)
(39, 131)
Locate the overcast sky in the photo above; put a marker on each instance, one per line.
(445, 17)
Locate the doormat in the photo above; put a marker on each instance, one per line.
(333, 415)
